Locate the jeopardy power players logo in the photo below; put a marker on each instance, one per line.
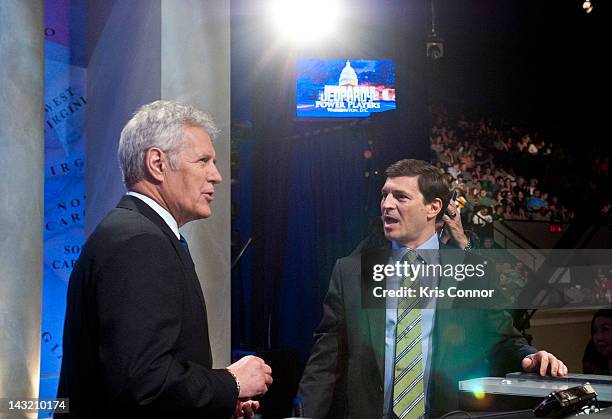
(344, 88)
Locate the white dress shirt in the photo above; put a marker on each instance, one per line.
(163, 213)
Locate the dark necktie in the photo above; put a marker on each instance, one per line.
(185, 245)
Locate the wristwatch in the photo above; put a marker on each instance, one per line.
(468, 246)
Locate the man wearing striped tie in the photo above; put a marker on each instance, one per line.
(405, 362)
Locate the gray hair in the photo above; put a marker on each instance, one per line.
(157, 124)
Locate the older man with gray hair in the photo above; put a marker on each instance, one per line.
(136, 341)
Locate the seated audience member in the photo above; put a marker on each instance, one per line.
(489, 244)
(597, 357)
(482, 218)
(498, 215)
(535, 202)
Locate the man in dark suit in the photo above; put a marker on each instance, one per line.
(406, 361)
(136, 341)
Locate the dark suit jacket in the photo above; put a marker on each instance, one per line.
(344, 375)
(136, 333)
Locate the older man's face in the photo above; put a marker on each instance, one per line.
(190, 188)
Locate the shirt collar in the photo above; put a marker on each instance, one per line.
(424, 250)
(161, 211)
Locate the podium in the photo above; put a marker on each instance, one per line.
(518, 391)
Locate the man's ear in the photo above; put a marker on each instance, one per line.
(156, 164)
(435, 207)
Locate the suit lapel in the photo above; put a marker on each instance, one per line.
(444, 322)
(134, 204)
(376, 316)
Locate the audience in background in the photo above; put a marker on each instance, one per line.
(502, 172)
(489, 164)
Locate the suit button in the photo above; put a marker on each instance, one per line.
(380, 388)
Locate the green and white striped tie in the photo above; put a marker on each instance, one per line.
(408, 385)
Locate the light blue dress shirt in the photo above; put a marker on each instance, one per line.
(427, 323)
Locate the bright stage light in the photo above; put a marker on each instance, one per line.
(587, 6)
(304, 21)
(479, 393)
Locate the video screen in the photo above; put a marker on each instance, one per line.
(344, 88)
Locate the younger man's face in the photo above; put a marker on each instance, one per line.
(407, 219)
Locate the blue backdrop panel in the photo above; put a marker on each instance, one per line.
(65, 105)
